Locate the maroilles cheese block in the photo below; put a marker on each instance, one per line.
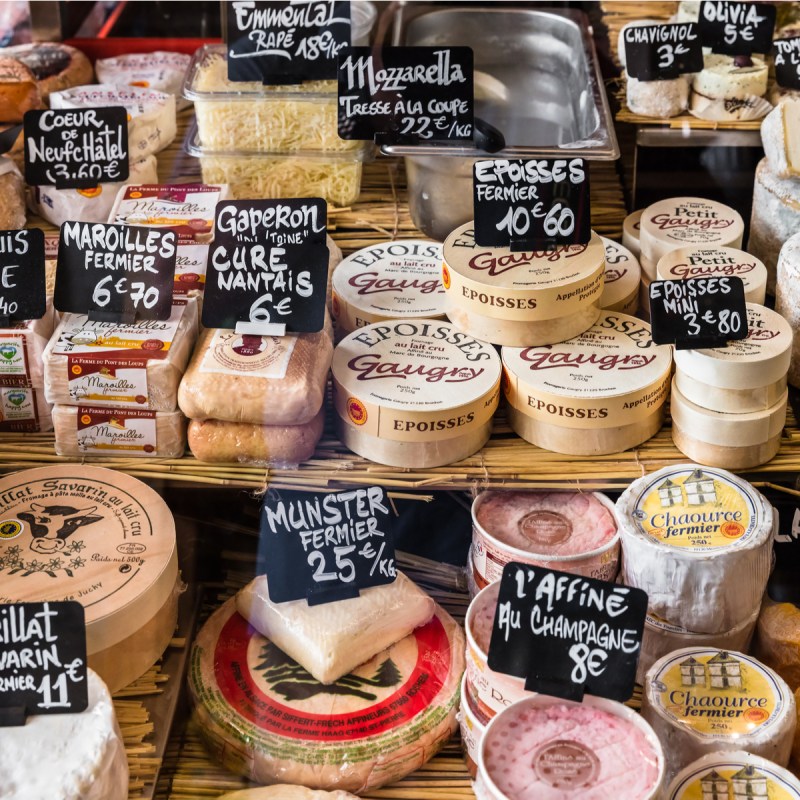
(22, 346)
(84, 750)
(621, 280)
(104, 539)
(258, 380)
(601, 392)
(702, 700)
(414, 393)
(284, 791)
(699, 541)
(160, 70)
(134, 365)
(735, 774)
(391, 280)
(521, 298)
(542, 748)
(332, 639)
(263, 716)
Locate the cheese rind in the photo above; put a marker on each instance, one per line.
(777, 642)
(661, 99)
(331, 640)
(780, 134)
(786, 301)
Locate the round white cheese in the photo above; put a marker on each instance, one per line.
(716, 262)
(686, 221)
(392, 280)
(630, 232)
(263, 716)
(66, 756)
(660, 99)
(699, 542)
(700, 700)
(521, 298)
(788, 297)
(100, 537)
(621, 279)
(722, 79)
(414, 393)
(733, 775)
(780, 134)
(594, 394)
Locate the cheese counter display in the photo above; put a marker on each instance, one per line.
(400, 400)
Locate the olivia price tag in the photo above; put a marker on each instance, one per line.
(567, 635)
(326, 547)
(22, 276)
(786, 57)
(735, 28)
(662, 52)
(285, 42)
(42, 657)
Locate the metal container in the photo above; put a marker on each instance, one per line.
(536, 79)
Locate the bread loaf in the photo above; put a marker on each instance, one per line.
(12, 196)
(18, 90)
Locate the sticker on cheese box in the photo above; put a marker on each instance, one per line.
(735, 28)
(76, 148)
(22, 276)
(531, 204)
(115, 273)
(662, 52)
(43, 660)
(786, 57)
(733, 776)
(566, 634)
(326, 547)
(285, 42)
(267, 270)
(19, 410)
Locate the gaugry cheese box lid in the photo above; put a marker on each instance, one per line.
(613, 374)
(630, 232)
(392, 280)
(85, 533)
(521, 286)
(622, 275)
(723, 774)
(415, 380)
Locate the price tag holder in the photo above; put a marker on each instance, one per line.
(566, 634)
(662, 52)
(115, 273)
(735, 29)
(43, 663)
(536, 204)
(267, 269)
(786, 55)
(285, 42)
(326, 547)
(76, 148)
(698, 312)
(406, 95)
(22, 276)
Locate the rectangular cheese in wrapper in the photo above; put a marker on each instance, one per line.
(332, 639)
(260, 380)
(128, 432)
(24, 410)
(160, 70)
(22, 347)
(137, 365)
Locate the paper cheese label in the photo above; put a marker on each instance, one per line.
(19, 411)
(104, 431)
(230, 353)
(733, 777)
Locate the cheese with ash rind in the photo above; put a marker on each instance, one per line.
(138, 365)
(521, 298)
(780, 134)
(601, 392)
(698, 540)
(786, 301)
(733, 775)
(621, 279)
(630, 232)
(160, 70)
(22, 346)
(263, 716)
(414, 393)
(777, 642)
(701, 700)
(332, 639)
(151, 114)
(85, 751)
(716, 262)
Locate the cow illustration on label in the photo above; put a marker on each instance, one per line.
(51, 526)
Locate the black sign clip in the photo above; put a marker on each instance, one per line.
(13, 717)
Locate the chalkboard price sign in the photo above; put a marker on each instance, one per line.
(566, 634)
(42, 660)
(406, 95)
(698, 312)
(662, 52)
(536, 204)
(22, 275)
(786, 55)
(285, 42)
(735, 28)
(76, 149)
(326, 547)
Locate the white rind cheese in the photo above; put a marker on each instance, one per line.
(780, 134)
(84, 753)
(724, 91)
(660, 99)
(701, 700)
(699, 541)
(787, 299)
(621, 279)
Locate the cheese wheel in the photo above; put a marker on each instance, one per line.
(660, 99)
(265, 717)
(780, 134)
(18, 90)
(85, 749)
(699, 542)
(701, 700)
(621, 279)
(54, 65)
(722, 79)
(786, 301)
(630, 232)
(777, 642)
(644, 297)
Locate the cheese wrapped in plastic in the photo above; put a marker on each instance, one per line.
(332, 639)
(24, 410)
(160, 70)
(136, 365)
(22, 347)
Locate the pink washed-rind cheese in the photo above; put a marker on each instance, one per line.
(548, 523)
